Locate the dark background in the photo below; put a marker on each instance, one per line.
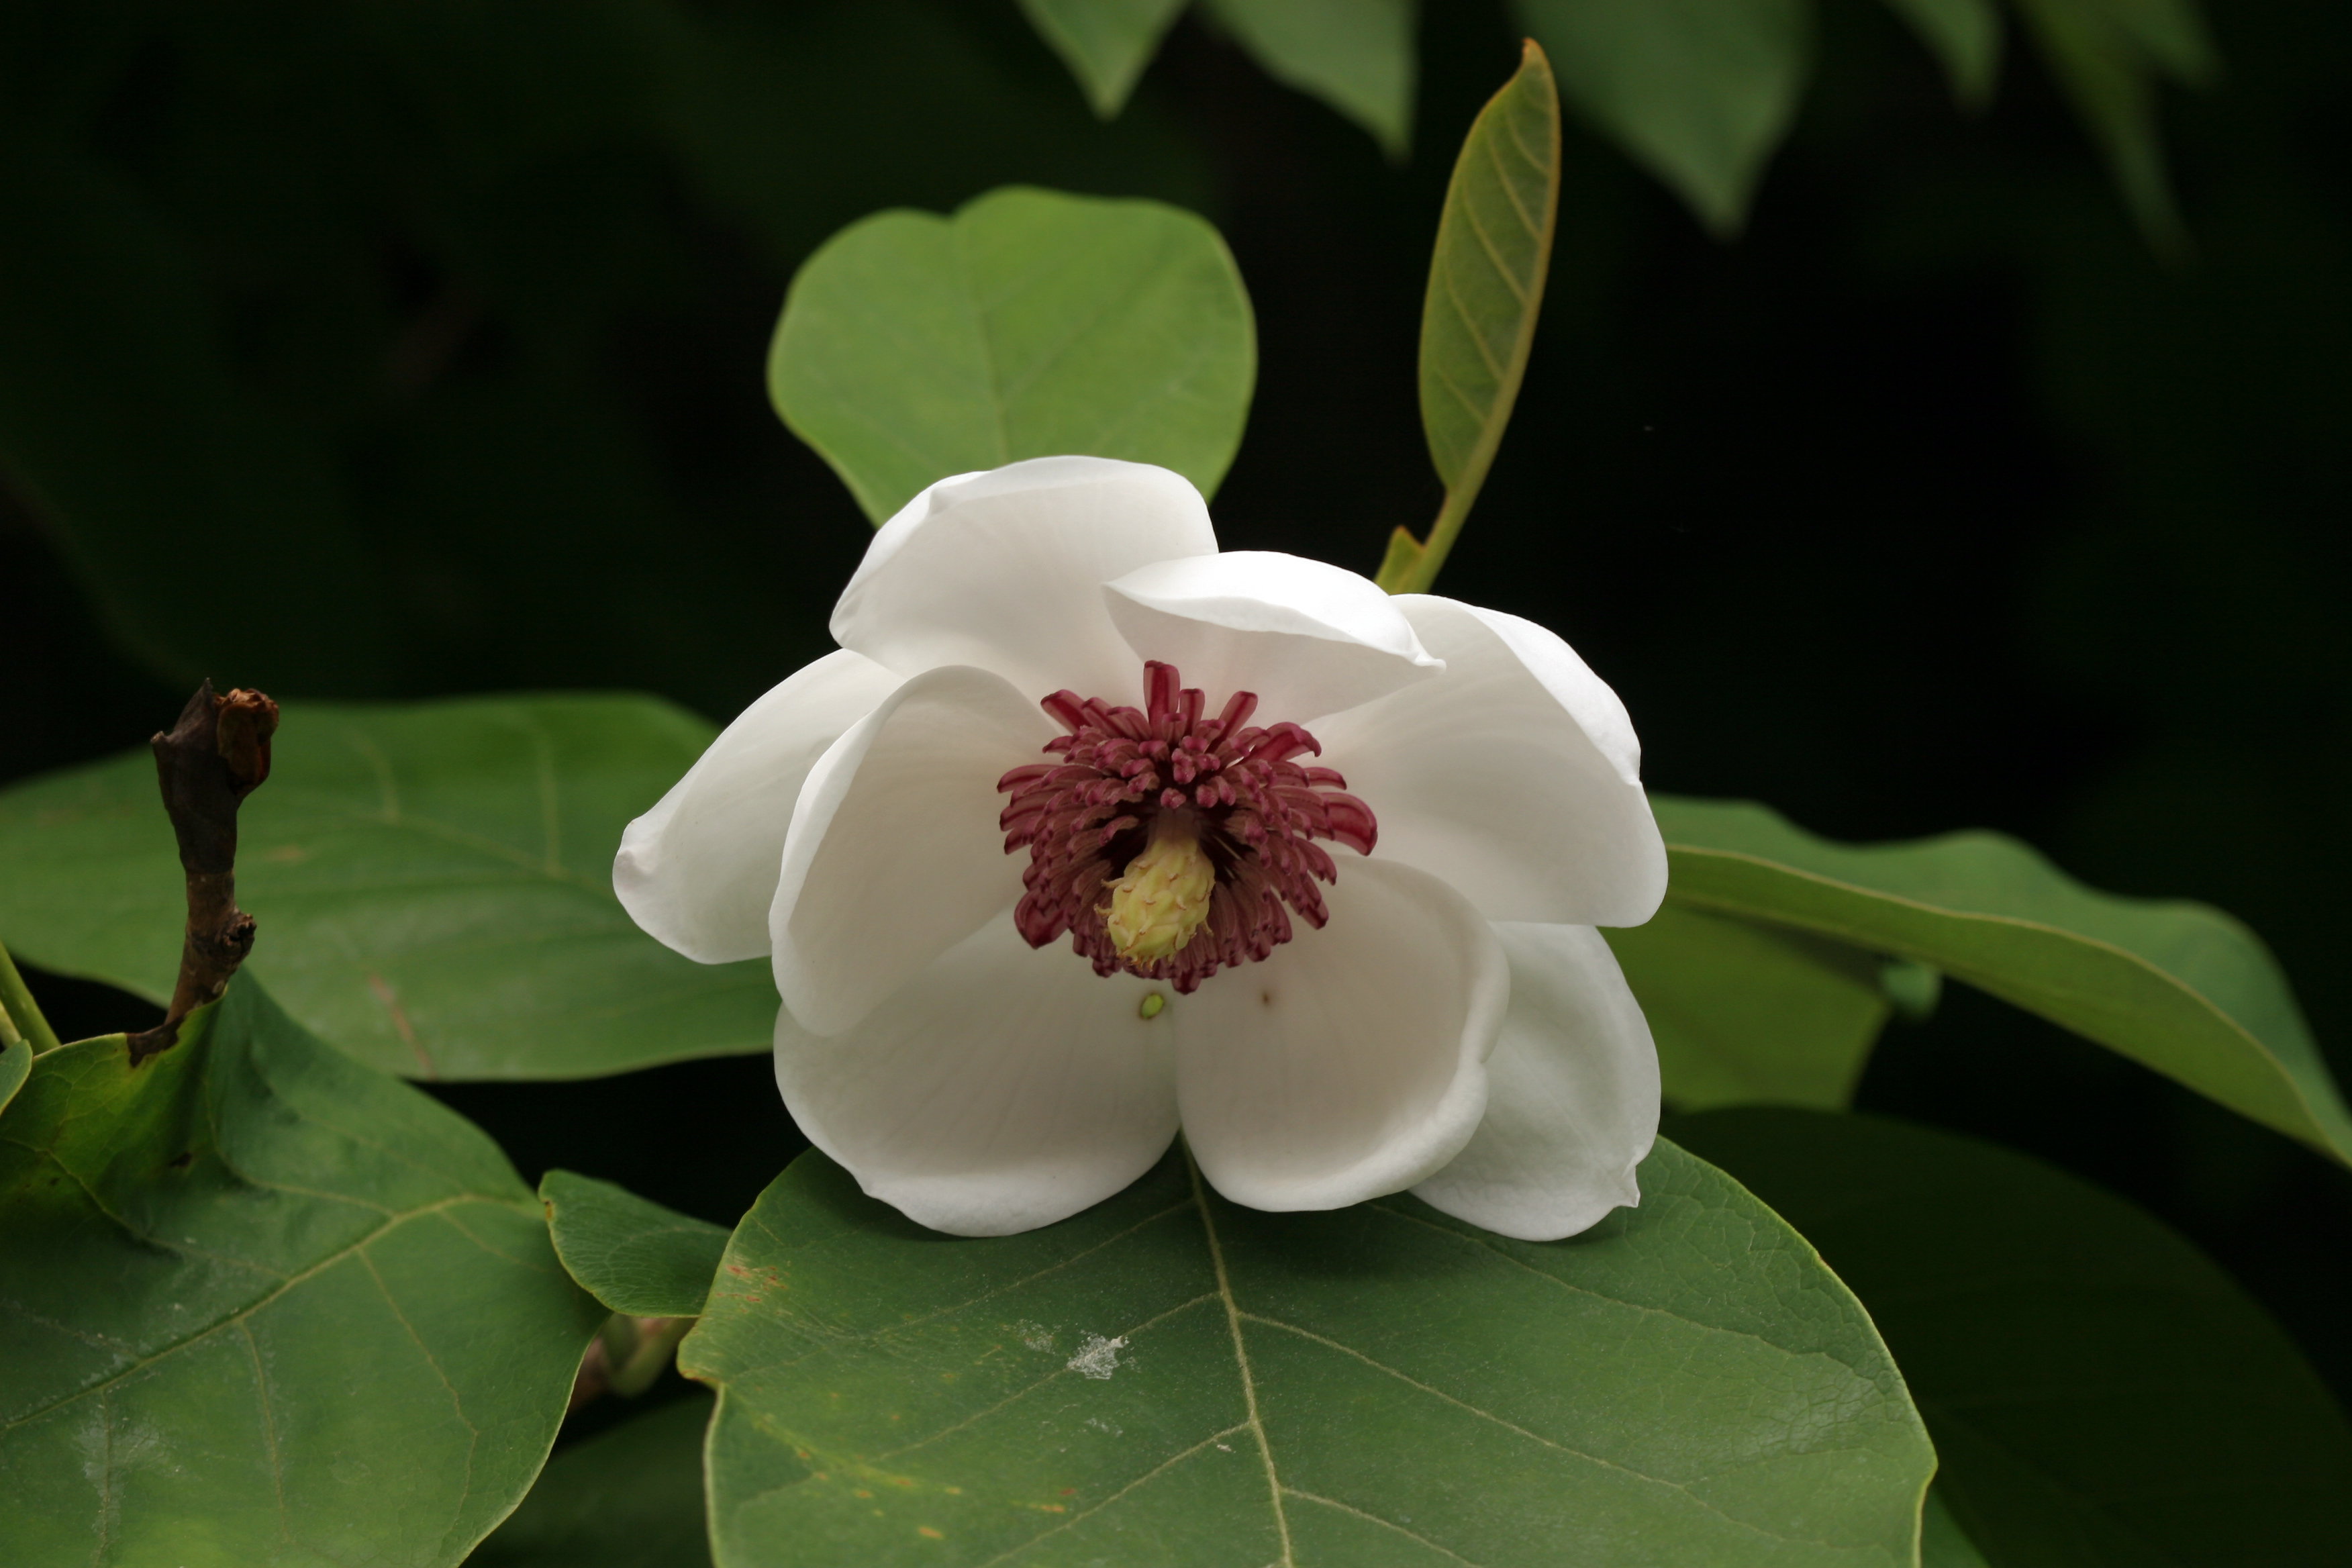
(401, 349)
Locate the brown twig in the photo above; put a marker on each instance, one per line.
(207, 763)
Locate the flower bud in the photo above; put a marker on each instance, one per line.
(1155, 909)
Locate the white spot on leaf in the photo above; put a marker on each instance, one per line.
(1097, 1357)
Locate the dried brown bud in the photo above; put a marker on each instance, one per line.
(246, 719)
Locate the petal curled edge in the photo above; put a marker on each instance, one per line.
(1001, 1089)
(698, 871)
(1306, 637)
(1515, 775)
(1347, 1065)
(1004, 571)
(894, 854)
(1572, 1101)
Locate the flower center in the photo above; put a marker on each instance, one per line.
(1169, 845)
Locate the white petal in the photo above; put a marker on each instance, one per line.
(1307, 637)
(698, 870)
(894, 854)
(1515, 775)
(1003, 1089)
(1004, 571)
(1347, 1064)
(1572, 1105)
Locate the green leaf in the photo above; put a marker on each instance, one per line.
(1965, 37)
(1699, 92)
(1168, 1378)
(1031, 324)
(1106, 43)
(1357, 56)
(1942, 1543)
(20, 1016)
(16, 1066)
(2176, 987)
(1486, 289)
(629, 1252)
(2107, 55)
(433, 883)
(2099, 1391)
(1745, 1013)
(265, 1306)
(629, 1498)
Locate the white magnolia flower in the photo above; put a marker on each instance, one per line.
(1035, 899)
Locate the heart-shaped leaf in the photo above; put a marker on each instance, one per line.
(1031, 324)
(2099, 1391)
(263, 1305)
(629, 1252)
(1168, 1378)
(434, 884)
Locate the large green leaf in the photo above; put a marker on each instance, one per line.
(264, 1306)
(433, 883)
(629, 1498)
(1486, 289)
(1699, 92)
(1030, 324)
(2099, 1391)
(1167, 1378)
(629, 1252)
(2182, 988)
(16, 1066)
(1106, 43)
(1744, 1013)
(1357, 56)
(1942, 1543)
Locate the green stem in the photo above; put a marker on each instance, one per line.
(20, 1015)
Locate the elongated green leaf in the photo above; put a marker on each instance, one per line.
(2108, 54)
(1743, 1012)
(1357, 56)
(1030, 324)
(1106, 43)
(1168, 1378)
(2099, 1391)
(20, 1015)
(1486, 289)
(433, 883)
(629, 1498)
(1965, 35)
(2179, 987)
(263, 1305)
(629, 1252)
(16, 1066)
(1699, 92)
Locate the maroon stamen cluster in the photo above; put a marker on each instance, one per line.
(1256, 813)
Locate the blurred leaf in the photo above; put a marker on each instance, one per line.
(627, 1498)
(1106, 43)
(2098, 1390)
(1168, 1374)
(432, 882)
(263, 1305)
(1746, 1014)
(1965, 37)
(1486, 289)
(1942, 1543)
(2108, 54)
(1357, 56)
(629, 1252)
(1699, 92)
(1031, 324)
(2176, 987)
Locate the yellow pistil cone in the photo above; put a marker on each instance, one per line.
(1155, 909)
